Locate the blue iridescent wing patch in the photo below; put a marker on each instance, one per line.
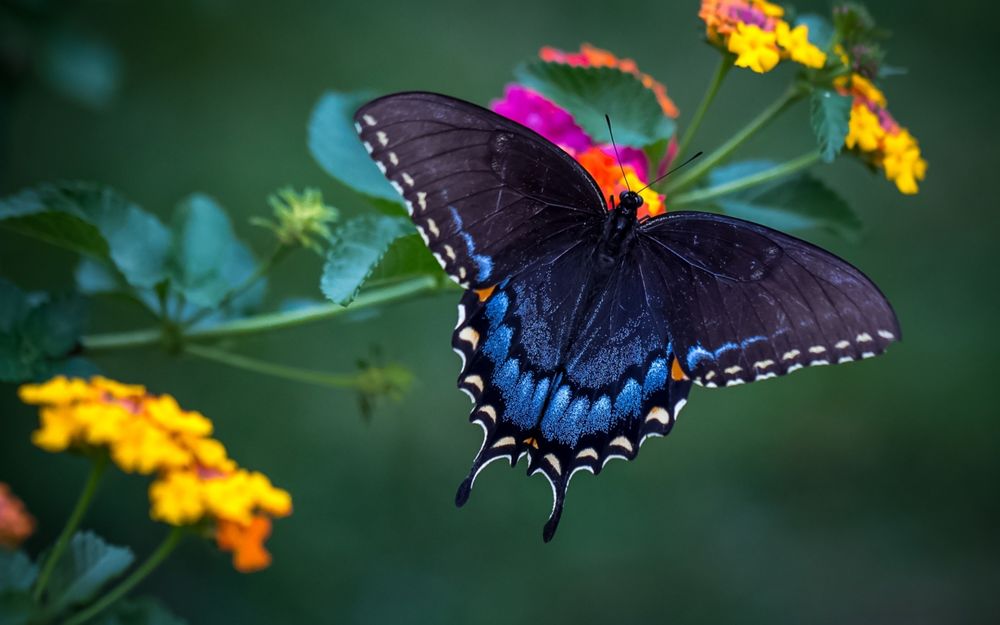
(580, 340)
(568, 377)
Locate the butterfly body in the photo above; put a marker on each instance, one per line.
(583, 328)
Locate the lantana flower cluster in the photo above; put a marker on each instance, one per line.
(755, 32)
(16, 523)
(877, 138)
(533, 110)
(195, 480)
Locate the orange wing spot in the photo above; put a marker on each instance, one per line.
(676, 373)
(484, 294)
(531, 441)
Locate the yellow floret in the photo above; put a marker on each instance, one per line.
(865, 130)
(177, 498)
(755, 48)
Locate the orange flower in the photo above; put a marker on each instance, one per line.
(15, 522)
(246, 541)
(608, 176)
(592, 56)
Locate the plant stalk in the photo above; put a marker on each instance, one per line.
(264, 322)
(725, 64)
(108, 599)
(296, 374)
(778, 171)
(695, 173)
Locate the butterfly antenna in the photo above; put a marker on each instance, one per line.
(615, 146)
(670, 172)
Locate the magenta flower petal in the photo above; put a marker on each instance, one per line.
(541, 115)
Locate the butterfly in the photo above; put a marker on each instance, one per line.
(582, 328)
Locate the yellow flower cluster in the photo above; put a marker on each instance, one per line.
(143, 433)
(754, 31)
(877, 137)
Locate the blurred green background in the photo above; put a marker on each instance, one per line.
(866, 493)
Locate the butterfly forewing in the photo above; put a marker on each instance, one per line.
(485, 193)
(746, 302)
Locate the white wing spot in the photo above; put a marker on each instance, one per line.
(461, 316)
(357, 127)
(433, 228)
(735, 382)
(423, 235)
(393, 159)
(864, 337)
(677, 407)
(554, 463)
(450, 252)
(733, 369)
(505, 441)
(817, 349)
(368, 119)
(868, 355)
(462, 273)
(792, 354)
(489, 411)
(794, 367)
(474, 380)
(382, 138)
(763, 364)
(470, 336)
(658, 414)
(395, 185)
(886, 335)
(409, 207)
(843, 344)
(844, 359)
(368, 147)
(817, 363)
(766, 376)
(589, 452)
(710, 375)
(407, 178)
(422, 200)
(437, 256)
(622, 442)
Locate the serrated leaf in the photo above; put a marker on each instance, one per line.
(95, 221)
(85, 568)
(820, 30)
(798, 203)
(830, 116)
(54, 327)
(334, 144)
(17, 571)
(144, 611)
(407, 257)
(357, 247)
(588, 93)
(207, 260)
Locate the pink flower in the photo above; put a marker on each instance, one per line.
(532, 110)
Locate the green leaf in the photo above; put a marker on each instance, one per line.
(17, 571)
(87, 566)
(334, 144)
(92, 220)
(13, 306)
(407, 257)
(798, 203)
(820, 30)
(54, 327)
(207, 260)
(358, 246)
(588, 93)
(831, 116)
(17, 608)
(96, 278)
(144, 611)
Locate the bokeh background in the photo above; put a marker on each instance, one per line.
(865, 493)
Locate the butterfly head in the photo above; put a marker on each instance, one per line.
(629, 202)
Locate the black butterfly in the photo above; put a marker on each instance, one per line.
(583, 328)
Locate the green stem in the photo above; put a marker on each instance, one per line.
(695, 173)
(265, 322)
(725, 63)
(98, 464)
(166, 547)
(778, 171)
(268, 368)
(262, 269)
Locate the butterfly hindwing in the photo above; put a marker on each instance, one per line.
(485, 193)
(570, 373)
(745, 302)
